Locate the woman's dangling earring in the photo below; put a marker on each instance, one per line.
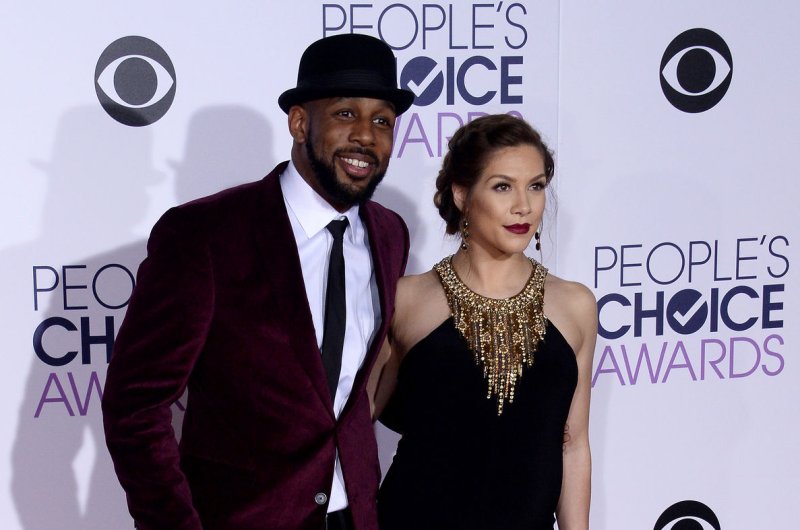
(464, 234)
(536, 236)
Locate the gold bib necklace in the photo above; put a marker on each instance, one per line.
(502, 334)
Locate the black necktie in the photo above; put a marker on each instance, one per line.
(335, 309)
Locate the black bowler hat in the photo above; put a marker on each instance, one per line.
(347, 65)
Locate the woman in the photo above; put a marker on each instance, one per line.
(490, 356)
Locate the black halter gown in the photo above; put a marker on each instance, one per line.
(460, 466)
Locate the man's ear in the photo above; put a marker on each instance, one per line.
(298, 123)
(460, 194)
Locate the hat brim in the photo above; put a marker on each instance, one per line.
(399, 98)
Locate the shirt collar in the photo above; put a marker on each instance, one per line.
(311, 210)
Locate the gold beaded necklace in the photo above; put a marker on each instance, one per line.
(502, 334)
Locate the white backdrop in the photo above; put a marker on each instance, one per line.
(691, 213)
(644, 184)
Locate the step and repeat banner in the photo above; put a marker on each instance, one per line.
(674, 129)
(678, 207)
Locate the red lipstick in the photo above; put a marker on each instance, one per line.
(518, 228)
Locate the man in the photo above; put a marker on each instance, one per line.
(273, 322)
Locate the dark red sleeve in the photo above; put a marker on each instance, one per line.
(158, 344)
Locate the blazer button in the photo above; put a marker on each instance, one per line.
(320, 498)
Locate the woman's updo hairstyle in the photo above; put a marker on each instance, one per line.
(469, 151)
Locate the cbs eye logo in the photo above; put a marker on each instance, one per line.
(688, 515)
(135, 81)
(696, 70)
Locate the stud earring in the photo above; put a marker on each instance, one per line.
(464, 234)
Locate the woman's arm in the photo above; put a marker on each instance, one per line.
(419, 304)
(573, 505)
(382, 379)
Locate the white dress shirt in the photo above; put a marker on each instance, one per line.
(309, 214)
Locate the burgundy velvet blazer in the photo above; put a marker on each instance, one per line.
(220, 306)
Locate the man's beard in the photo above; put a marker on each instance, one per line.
(325, 173)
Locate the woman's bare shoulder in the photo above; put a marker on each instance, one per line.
(573, 296)
(420, 305)
(411, 288)
(572, 308)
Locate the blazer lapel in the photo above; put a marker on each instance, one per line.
(380, 248)
(275, 240)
